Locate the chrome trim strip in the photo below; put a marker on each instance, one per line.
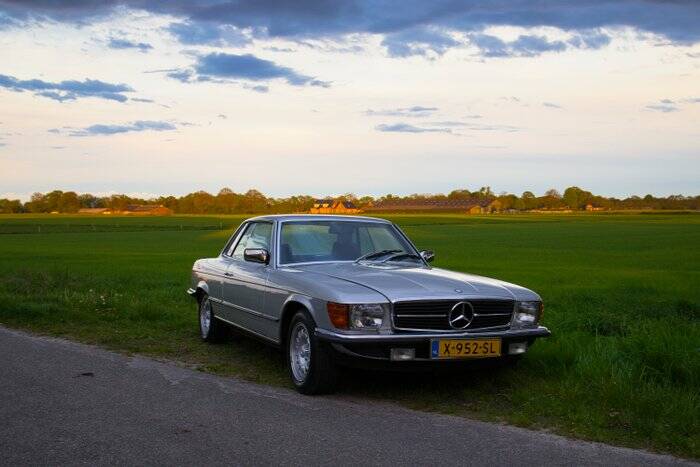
(248, 310)
(275, 341)
(335, 336)
(490, 328)
(421, 315)
(442, 315)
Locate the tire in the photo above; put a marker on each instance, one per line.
(210, 329)
(321, 374)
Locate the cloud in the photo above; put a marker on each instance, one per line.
(525, 45)
(552, 105)
(407, 128)
(205, 33)
(448, 123)
(415, 111)
(692, 100)
(664, 107)
(222, 117)
(409, 28)
(222, 67)
(257, 88)
(492, 127)
(67, 90)
(115, 43)
(103, 129)
(139, 99)
(419, 41)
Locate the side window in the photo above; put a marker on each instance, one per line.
(261, 236)
(257, 235)
(242, 242)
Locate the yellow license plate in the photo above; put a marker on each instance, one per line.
(465, 348)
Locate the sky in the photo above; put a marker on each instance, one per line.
(367, 97)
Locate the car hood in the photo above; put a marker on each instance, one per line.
(398, 283)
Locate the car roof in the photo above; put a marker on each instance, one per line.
(316, 217)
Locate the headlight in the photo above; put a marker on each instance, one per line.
(371, 316)
(527, 314)
(366, 316)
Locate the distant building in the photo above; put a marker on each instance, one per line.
(467, 206)
(94, 211)
(590, 207)
(331, 206)
(146, 210)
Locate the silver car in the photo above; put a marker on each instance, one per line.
(330, 290)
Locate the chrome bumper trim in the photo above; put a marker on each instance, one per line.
(340, 337)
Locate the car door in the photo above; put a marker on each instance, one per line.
(245, 281)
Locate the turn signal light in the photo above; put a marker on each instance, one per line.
(338, 313)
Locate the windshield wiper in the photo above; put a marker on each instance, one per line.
(376, 254)
(401, 256)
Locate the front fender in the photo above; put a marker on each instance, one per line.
(201, 285)
(303, 300)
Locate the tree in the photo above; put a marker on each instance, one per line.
(576, 198)
(460, 195)
(529, 201)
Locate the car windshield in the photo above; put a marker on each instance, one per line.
(337, 240)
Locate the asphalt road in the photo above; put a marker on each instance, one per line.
(67, 403)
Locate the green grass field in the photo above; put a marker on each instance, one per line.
(621, 292)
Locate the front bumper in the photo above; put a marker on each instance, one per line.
(378, 346)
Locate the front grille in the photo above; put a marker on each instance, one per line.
(433, 314)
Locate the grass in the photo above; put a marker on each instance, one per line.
(622, 295)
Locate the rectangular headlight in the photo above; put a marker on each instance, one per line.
(367, 316)
(364, 316)
(527, 314)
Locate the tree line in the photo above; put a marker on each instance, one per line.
(226, 201)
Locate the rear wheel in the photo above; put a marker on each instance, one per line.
(310, 361)
(210, 328)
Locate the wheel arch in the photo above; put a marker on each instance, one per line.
(200, 290)
(291, 306)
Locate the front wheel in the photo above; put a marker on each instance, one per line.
(310, 361)
(210, 328)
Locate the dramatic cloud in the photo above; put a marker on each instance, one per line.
(127, 44)
(67, 90)
(419, 41)
(247, 67)
(407, 128)
(204, 33)
(413, 28)
(100, 129)
(532, 45)
(415, 111)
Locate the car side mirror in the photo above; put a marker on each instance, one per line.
(427, 255)
(256, 255)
